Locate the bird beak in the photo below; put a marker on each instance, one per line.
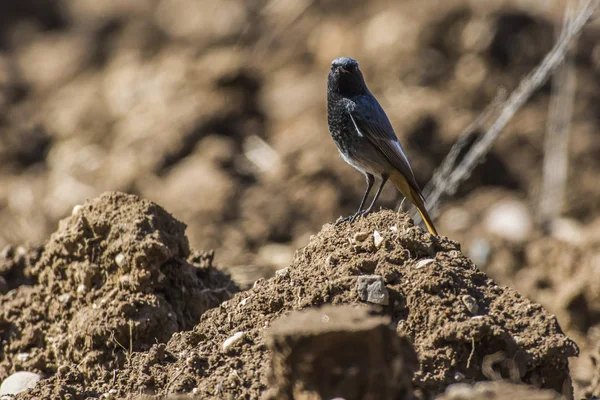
(342, 69)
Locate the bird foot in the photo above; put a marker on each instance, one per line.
(352, 218)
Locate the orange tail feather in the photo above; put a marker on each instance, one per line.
(414, 197)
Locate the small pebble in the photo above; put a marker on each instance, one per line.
(361, 236)
(110, 395)
(22, 357)
(233, 340)
(243, 302)
(283, 272)
(377, 238)
(76, 209)
(258, 283)
(424, 263)
(65, 297)
(121, 260)
(331, 260)
(470, 303)
(459, 376)
(19, 382)
(518, 339)
(372, 289)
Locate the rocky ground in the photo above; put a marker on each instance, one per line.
(215, 110)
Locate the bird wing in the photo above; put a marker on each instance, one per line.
(371, 122)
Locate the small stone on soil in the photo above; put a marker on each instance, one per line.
(19, 382)
(120, 260)
(470, 303)
(377, 238)
(371, 288)
(233, 340)
(361, 236)
(424, 263)
(76, 209)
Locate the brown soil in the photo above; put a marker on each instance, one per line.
(431, 303)
(112, 280)
(219, 116)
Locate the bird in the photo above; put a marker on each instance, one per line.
(366, 139)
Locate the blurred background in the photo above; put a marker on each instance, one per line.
(215, 109)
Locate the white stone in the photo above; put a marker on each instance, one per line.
(377, 239)
(233, 340)
(76, 209)
(424, 263)
(65, 297)
(120, 259)
(283, 272)
(243, 302)
(19, 382)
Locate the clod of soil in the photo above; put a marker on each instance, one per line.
(427, 279)
(114, 279)
(339, 352)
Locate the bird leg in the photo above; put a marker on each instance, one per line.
(384, 179)
(353, 217)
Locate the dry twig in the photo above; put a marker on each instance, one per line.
(517, 99)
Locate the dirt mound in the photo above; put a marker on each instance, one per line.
(463, 326)
(112, 280)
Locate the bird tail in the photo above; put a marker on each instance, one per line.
(415, 197)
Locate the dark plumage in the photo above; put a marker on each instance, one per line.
(365, 137)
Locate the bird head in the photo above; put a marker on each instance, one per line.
(346, 78)
(344, 65)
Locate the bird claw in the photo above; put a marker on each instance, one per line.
(342, 220)
(351, 218)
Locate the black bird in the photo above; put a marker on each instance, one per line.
(365, 137)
